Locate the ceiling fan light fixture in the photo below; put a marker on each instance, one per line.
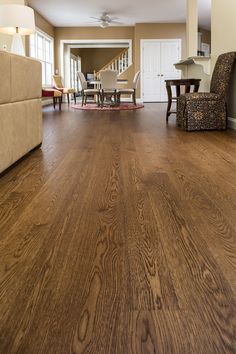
(104, 24)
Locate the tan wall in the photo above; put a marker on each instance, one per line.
(223, 39)
(6, 39)
(78, 33)
(95, 58)
(43, 24)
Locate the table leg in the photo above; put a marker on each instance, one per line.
(169, 93)
(196, 88)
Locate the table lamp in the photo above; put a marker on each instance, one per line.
(17, 20)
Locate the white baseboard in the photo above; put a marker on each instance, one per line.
(232, 123)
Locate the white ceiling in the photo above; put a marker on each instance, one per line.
(72, 13)
(204, 13)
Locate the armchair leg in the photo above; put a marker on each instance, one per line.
(102, 98)
(60, 101)
(75, 97)
(54, 102)
(68, 98)
(168, 110)
(134, 98)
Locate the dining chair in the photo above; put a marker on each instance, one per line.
(208, 110)
(130, 91)
(58, 85)
(87, 91)
(108, 80)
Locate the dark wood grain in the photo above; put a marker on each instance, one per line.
(119, 237)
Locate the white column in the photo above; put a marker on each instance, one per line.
(192, 27)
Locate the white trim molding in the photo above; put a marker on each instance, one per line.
(232, 123)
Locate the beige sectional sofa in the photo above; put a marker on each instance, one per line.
(20, 107)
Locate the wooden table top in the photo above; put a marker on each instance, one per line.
(183, 81)
(98, 82)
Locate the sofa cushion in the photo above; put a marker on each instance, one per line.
(26, 78)
(20, 130)
(5, 87)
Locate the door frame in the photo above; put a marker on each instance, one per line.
(142, 41)
(67, 44)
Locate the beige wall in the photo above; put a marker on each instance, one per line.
(6, 39)
(43, 24)
(95, 58)
(223, 39)
(78, 33)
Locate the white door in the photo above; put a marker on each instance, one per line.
(158, 58)
(170, 54)
(151, 71)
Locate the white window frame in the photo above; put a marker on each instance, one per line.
(39, 32)
(73, 72)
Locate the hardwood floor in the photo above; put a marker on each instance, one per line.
(119, 237)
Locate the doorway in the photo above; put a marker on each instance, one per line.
(68, 44)
(157, 65)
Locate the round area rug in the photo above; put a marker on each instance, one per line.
(121, 107)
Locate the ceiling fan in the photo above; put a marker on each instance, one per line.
(105, 20)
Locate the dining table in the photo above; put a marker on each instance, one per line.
(97, 83)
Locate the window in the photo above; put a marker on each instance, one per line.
(75, 66)
(41, 48)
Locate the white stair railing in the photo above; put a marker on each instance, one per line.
(119, 63)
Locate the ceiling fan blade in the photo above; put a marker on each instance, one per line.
(117, 22)
(92, 23)
(96, 18)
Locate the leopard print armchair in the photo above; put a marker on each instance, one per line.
(207, 110)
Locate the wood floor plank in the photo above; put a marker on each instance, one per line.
(194, 267)
(118, 237)
(210, 209)
(151, 283)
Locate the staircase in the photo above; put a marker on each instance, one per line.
(120, 63)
